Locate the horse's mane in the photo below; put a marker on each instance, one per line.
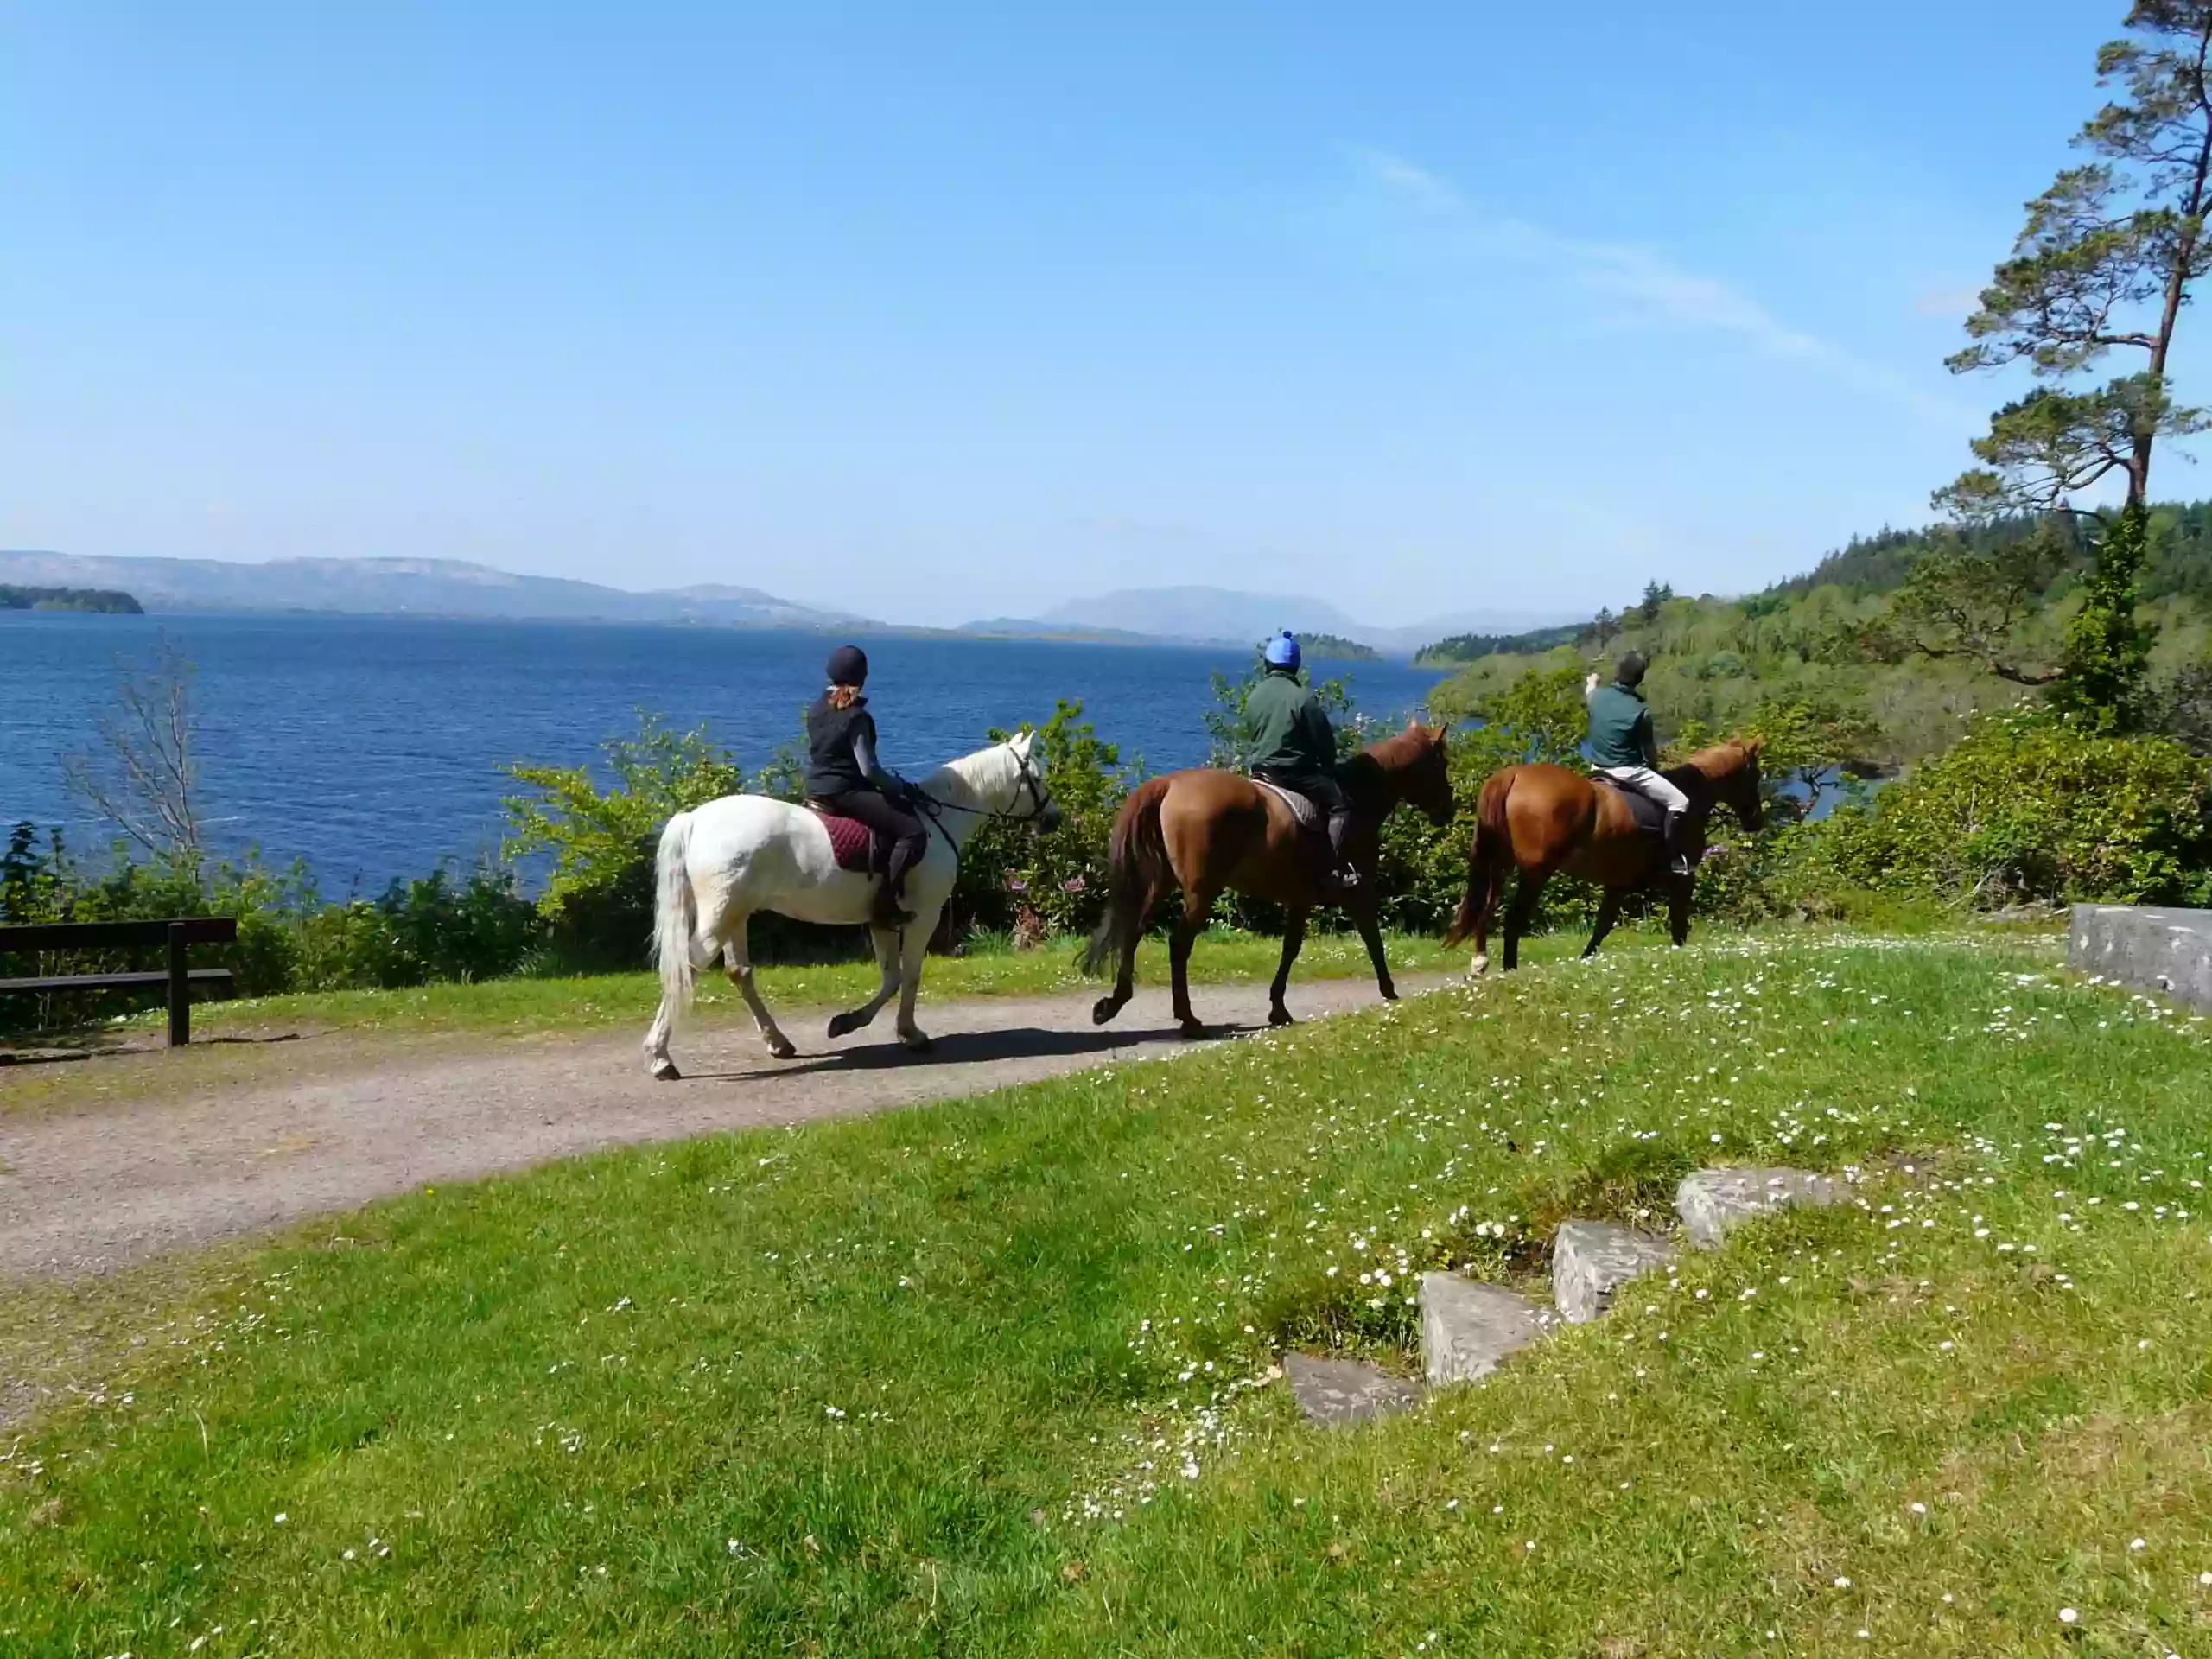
(975, 775)
(1402, 749)
(1710, 765)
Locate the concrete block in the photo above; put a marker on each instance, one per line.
(1467, 1327)
(1593, 1259)
(2153, 949)
(1337, 1392)
(1713, 1201)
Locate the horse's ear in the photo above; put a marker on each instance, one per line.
(1753, 744)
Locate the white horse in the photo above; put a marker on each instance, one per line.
(721, 863)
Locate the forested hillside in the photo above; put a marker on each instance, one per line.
(1909, 631)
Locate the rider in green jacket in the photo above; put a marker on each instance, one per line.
(1623, 750)
(1294, 747)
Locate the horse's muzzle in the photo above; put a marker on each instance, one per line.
(1050, 817)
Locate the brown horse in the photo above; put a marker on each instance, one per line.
(1544, 819)
(1211, 832)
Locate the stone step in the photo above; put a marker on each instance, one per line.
(1467, 1327)
(1335, 1393)
(1593, 1259)
(1713, 1201)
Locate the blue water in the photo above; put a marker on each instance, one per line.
(373, 747)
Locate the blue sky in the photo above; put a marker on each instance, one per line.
(937, 312)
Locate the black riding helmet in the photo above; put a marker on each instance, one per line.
(1631, 670)
(847, 666)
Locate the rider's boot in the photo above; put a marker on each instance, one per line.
(890, 909)
(1678, 860)
(1343, 880)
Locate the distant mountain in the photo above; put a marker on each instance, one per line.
(406, 587)
(1225, 616)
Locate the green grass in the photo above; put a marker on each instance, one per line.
(528, 1005)
(973, 1378)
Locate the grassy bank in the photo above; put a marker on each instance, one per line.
(972, 1378)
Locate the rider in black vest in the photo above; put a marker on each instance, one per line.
(842, 774)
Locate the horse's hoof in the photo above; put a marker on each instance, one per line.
(1279, 1015)
(1389, 993)
(665, 1072)
(1479, 966)
(843, 1025)
(1193, 1031)
(781, 1049)
(919, 1043)
(1103, 1009)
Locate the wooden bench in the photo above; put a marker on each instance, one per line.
(178, 934)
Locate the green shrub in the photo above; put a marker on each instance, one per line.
(2033, 806)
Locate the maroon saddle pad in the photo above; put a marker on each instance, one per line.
(852, 841)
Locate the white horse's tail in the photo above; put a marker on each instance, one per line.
(675, 914)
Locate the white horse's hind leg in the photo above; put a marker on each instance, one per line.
(658, 1061)
(916, 946)
(738, 957)
(886, 942)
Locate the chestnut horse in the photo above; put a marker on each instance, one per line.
(1211, 832)
(1544, 819)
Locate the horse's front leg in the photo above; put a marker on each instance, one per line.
(1370, 933)
(1293, 938)
(738, 958)
(1679, 889)
(885, 942)
(914, 946)
(1609, 912)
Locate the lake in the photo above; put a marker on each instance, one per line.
(373, 747)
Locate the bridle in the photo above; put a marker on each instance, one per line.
(1029, 785)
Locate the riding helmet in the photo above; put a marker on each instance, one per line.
(1282, 651)
(847, 666)
(1631, 669)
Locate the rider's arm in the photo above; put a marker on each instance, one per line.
(1649, 740)
(864, 752)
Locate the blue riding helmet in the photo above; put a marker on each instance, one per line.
(1282, 651)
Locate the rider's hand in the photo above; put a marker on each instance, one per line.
(1590, 684)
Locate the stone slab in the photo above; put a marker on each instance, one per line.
(2153, 949)
(1593, 1259)
(1713, 1201)
(1467, 1327)
(1337, 1392)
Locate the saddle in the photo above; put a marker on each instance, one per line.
(1650, 817)
(856, 847)
(1307, 815)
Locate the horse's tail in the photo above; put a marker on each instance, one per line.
(1488, 853)
(676, 913)
(1136, 865)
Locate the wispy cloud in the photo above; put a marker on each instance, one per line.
(1653, 288)
(1948, 302)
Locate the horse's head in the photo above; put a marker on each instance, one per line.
(1738, 785)
(1417, 760)
(1032, 803)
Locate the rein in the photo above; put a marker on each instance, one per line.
(931, 809)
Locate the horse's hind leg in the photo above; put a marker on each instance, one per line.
(737, 957)
(886, 944)
(1293, 936)
(1494, 881)
(1197, 906)
(1125, 974)
(1520, 912)
(1609, 912)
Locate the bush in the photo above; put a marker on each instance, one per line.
(2032, 805)
(1025, 883)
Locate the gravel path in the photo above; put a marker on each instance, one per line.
(84, 1190)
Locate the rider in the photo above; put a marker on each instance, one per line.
(844, 776)
(1623, 749)
(1295, 748)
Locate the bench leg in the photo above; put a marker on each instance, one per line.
(179, 991)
